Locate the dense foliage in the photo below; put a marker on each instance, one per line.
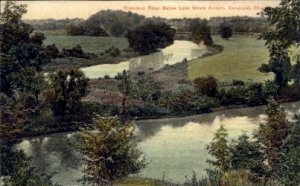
(201, 32)
(206, 86)
(66, 90)
(150, 37)
(225, 32)
(109, 152)
(21, 60)
(284, 33)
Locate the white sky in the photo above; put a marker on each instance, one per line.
(84, 9)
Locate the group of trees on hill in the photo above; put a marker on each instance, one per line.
(107, 22)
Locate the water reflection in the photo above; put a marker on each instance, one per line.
(174, 146)
(172, 54)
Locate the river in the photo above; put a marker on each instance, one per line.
(173, 147)
(170, 55)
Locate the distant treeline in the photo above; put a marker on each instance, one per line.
(237, 23)
(52, 24)
(118, 23)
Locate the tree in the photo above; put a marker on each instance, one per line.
(111, 22)
(206, 85)
(109, 152)
(284, 32)
(219, 149)
(201, 32)
(290, 163)
(246, 155)
(21, 53)
(296, 73)
(150, 37)
(21, 60)
(66, 89)
(74, 30)
(226, 32)
(125, 89)
(272, 133)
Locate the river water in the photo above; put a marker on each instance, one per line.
(173, 147)
(172, 54)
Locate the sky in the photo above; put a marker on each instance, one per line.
(166, 9)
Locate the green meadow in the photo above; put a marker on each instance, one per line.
(241, 58)
(95, 45)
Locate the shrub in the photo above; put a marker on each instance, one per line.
(148, 110)
(106, 77)
(74, 30)
(52, 51)
(113, 51)
(271, 88)
(203, 105)
(109, 152)
(238, 83)
(254, 95)
(75, 52)
(206, 85)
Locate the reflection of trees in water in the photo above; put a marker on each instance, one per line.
(64, 147)
(149, 62)
(57, 148)
(196, 53)
(40, 158)
(149, 128)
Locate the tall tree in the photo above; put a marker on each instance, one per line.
(66, 89)
(21, 52)
(21, 57)
(109, 152)
(272, 133)
(290, 162)
(246, 155)
(201, 32)
(150, 37)
(219, 149)
(284, 32)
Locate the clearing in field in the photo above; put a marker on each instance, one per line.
(241, 58)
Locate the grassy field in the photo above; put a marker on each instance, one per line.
(241, 58)
(95, 45)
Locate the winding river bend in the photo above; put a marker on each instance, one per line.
(173, 147)
(172, 54)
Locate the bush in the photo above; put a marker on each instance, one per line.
(206, 86)
(74, 30)
(148, 110)
(238, 83)
(113, 51)
(203, 105)
(52, 51)
(271, 88)
(106, 77)
(92, 108)
(75, 52)
(255, 95)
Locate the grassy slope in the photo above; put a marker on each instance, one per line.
(89, 44)
(241, 58)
